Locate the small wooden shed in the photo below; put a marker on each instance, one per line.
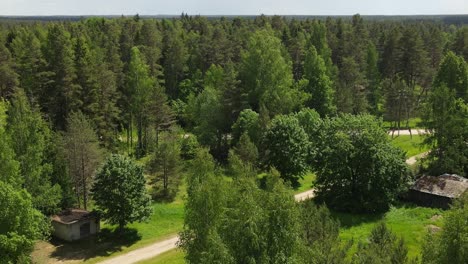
(438, 191)
(75, 224)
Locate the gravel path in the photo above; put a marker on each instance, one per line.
(407, 132)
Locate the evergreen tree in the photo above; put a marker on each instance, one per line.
(9, 166)
(8, 76)
(30, 63)
(30, 137)
(446, 118)
(62, 94)
(373, 80)
(319, 85)
(83, 155)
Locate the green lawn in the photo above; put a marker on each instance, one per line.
(306, 183)
(166, 220)
(405, 220)
(175, 256)
(412, 145)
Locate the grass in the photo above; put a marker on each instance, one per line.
(174, 256)
(306, 183)
(405, 220)
(412, 145)
(415, 122)
(166, 220)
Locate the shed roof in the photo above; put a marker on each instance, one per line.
(447, 185)
(73, 215)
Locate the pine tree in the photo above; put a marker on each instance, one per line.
(30, 63)
(62, 94)
(83, 155)
(8, 77)
(9, 166)
(30, 136)
(319, 85)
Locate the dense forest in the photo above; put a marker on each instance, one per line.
(268, 95)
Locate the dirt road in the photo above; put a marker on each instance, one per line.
(407, 132)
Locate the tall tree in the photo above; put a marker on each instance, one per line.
(446, 117)
(30, 136)
(351, 95)
(83, 155)
(30, 63)
(199, 239)
(175, 56)
(140, 87)
(267, 75)
(319, 84)
(8, 77)
(373, 80)
(9, 166)
(62, 94)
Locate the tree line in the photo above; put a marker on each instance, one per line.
(270, 94)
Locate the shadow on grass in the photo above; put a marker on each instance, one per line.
(348, 220)
(103, 244)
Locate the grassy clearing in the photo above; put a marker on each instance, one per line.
(175, 256)
(405, 220)
(306, 183)
(166, 220)
(412, 145)
(415, 122)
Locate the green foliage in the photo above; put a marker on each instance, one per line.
(320, 234)
(8, 77)
(165, 165)
(30, 137)
(83, 155)
(119, 192)
(61, 94)
(267, 75)
(247, 122)
(450, 245)
(447, 118)
(286, 148)
(358, 170)
(189, 147)
(140, 87)
(319, 84)
(203, 208)
(246, 150)
(383, 247)
(9, 166)
(20, 225)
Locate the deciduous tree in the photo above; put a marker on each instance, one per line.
(119, 192)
